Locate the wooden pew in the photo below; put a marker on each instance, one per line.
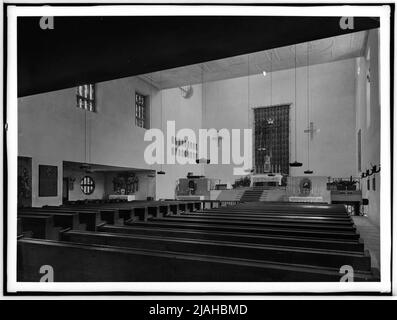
(110, 215)
(299, 225)
(273, 253)
(61, 219)
(91, 219)
(258, 211)
(288, 207)
(142, 210)
(274, 218)
(78, 262)
(296, 206)
(41, 227)
(317, 243)
(329, 234)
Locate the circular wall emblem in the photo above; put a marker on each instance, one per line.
(87, 185)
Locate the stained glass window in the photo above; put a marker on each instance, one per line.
(86, 97)
(271, 130)
(87, 185)
(140, 110)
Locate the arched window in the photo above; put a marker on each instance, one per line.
(87, 185)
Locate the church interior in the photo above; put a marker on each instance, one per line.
(303, 100)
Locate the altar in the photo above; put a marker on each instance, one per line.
(305, 199)
(128, 197)
(265, 178)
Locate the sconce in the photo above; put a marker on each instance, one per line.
(369, 173)
(374, 169)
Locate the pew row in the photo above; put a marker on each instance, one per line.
(318, 243)
(266, 253)
(96, 263)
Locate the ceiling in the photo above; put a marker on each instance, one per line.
(89, 49)
(320, 51)
(78, 166)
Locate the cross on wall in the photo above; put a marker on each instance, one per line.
(311, 130)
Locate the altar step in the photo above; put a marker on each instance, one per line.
(253, 194)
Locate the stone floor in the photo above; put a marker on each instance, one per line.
(370, 234)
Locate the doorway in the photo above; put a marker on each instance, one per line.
(65, 191)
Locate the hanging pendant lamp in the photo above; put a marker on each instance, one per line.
(161, 123)
(202, 160)
(271, 174)
(86, 165)
(295, 163)
(248, 105)
(308, 171)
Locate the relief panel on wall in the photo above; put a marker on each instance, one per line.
(24, 182)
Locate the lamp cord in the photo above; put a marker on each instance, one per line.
(296, 121)
(85, 135)
(308, 108)
(271, 78)
(202, 102)
(161, 116)
(248, 92)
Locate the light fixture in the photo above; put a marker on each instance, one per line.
(374, 169)
(202, 160)
(87, 148)
(362, 175)
(271, 121)
(151, 175)
(85, 166)
(308, 171)
(295, 163)
(161, 124)
(248, 91)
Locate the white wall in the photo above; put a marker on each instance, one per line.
(332, 101)
(368, 120)
(187, 114)
(51, 129)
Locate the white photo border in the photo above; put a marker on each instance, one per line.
(383, 286)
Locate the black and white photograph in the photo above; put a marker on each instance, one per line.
(182, 148)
